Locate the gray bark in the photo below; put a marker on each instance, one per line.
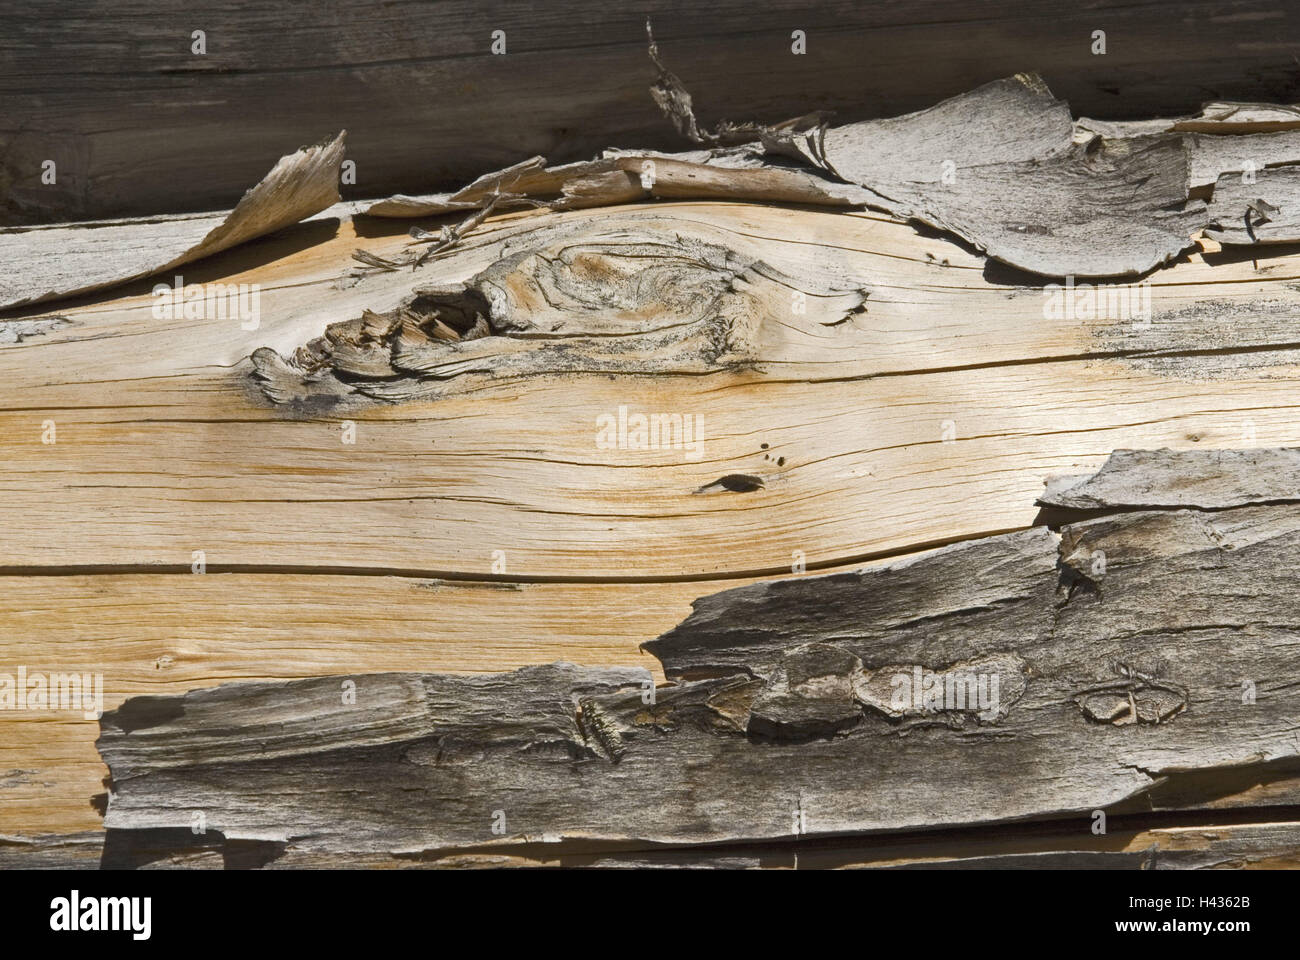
(1132, 652)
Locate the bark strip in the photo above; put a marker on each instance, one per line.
(49, 263)
(1035, 675)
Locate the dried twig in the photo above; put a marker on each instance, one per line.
(447, 237)
(675, 101)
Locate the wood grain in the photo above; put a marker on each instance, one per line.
(166, 445)
(319, 553)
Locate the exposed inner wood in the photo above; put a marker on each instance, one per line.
(166, 445)
(49, 263)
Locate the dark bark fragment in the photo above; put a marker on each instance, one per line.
(1135, 650)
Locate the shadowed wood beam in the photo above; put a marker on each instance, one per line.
(190, 131)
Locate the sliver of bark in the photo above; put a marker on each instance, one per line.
(1263, 210)
(631, 176)
(1193, 479)
(783, 721)
(1230, 117)
(998, 167)
(792, 137)
(49, 263)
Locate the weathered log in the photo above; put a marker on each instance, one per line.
(914, 400)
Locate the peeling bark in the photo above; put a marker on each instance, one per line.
(1001, 167)
(630, 176)
(997, 167)
(1118, 649)
(48, 263)
(1263, 211)
(1102, 209)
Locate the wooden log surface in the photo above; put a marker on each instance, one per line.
(935, 421)
(421, 467)
(933, 416)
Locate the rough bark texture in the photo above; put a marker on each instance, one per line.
(622, 176)
(639, 297)
(998, 167)
(1124, 653)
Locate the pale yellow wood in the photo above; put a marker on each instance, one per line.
(164, 447)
